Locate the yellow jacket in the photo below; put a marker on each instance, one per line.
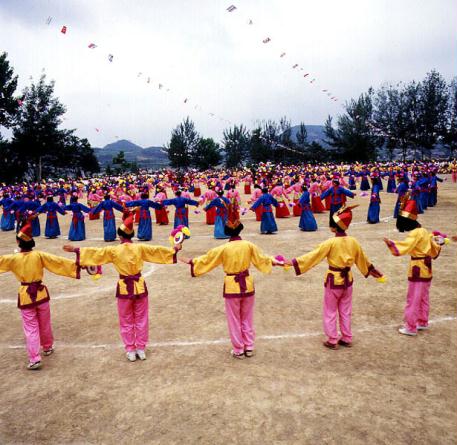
(28, 268)
(421, 246)
(341, 252)
(128, 260)
(235, 256)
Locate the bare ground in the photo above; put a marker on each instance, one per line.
(387, 389)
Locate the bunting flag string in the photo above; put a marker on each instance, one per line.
(161, 86)
(282, 55)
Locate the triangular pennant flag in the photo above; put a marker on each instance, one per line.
(63, 30)
(92, 45)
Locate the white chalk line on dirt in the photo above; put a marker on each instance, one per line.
(220, 341)
(99, 290)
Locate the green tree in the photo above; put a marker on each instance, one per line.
(121, 164)
(236, 146)
(183, 144)
(8, 102)
(37, 136)
(207, 154)
(259, 148)
(354, 137)
(449, 136)
(433, 108)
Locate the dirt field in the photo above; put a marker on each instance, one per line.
(387, 389)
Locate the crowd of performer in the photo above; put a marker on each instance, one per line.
(291, 191)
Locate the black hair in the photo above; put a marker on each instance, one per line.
(144, 195)
(334, 225)
(264, 190)
(178, 193)
(49, 199)
(229, 231)
(74, 199)
(25, 245)
(106, 197)
(304, 188)
(406, 224)
(220, 193)
(122, 234)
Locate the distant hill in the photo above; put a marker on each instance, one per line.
(315, 133)
(149, 157)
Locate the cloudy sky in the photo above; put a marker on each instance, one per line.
(216, 59)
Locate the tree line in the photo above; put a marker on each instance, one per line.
(403, 121)
(39, 147)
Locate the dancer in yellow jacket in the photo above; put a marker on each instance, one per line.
(421, 246)
(131, 292)
(341, 253)
(28, 266)
(236, 256)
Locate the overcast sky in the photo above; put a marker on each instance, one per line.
(217, 60)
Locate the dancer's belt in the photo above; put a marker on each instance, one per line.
(32, 289)
(240, 278)
(344, 272)
(426, 259)
(130, 281)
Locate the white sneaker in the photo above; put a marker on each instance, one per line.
(131, 356)
(141, 354)
(422, 328)
(405, 331)
(33, 366)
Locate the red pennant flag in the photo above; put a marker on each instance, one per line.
(63, 30)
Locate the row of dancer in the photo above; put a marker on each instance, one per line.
(341, 252)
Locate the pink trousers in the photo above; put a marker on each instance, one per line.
(417, 304)
(337, 302)
(240, 320)
(36, 322)
(133, 322)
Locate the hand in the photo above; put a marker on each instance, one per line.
(386, 240)
(69, 248)
(178, 247)
(184, 260)
(375, 273)
(275, 262)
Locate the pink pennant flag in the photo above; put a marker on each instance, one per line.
(92, 46)
(266, 40)
(231, 8)
(63, 30)
(97, 130)
(20, 102)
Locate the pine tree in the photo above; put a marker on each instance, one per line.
(207, 154)
(236, 146)
(9, 104)
(183, 144)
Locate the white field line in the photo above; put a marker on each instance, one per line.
(223, 341)
(98, 290)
